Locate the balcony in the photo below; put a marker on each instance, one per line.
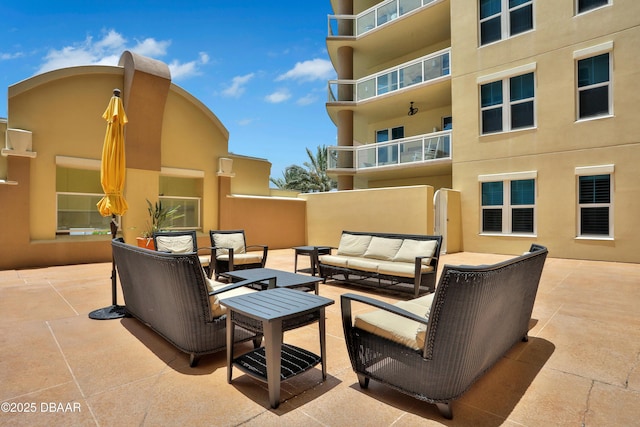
(412, 151)
(372, 18)
(429, 68)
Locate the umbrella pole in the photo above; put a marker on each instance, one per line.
(114, 311)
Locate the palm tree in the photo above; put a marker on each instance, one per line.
(312, 179)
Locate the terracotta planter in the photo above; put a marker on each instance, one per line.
(146, 243)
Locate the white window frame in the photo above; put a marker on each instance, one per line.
(589, 53)
(505, 77)
(607, 3)
(507, 222)
(505, 21)
(590, 171)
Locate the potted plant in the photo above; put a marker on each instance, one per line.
(160, 218)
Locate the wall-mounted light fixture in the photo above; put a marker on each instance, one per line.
(412, 109)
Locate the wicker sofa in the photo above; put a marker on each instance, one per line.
(385, 257)
(169, 293)
(436, 346)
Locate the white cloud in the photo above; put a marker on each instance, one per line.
(7, 56)
(278, 96)
(109, 49)
(307, 99)
(313, 69)
(237, 87)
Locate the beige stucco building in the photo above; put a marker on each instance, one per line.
(50, 164)
(527, 109)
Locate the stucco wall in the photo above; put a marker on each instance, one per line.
(400, 210)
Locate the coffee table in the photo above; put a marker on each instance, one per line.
(283, 279)
(272, 312)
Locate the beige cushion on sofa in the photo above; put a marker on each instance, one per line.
(402, 269)
(218, 309)
(363, 264)
(397, 328)
(353, 244)
(410, 249)
(382, 248)
(229, 240)
(335, 260)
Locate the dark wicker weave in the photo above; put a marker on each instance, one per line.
(168, 293)
(477, 315)
(426, 281)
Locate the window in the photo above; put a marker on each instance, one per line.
(594, 86)
(508, 206)
(508, 104)
(77, 193)
(388, 154)
(185, 192)
(501, 19)
(587, 5)
(594, 205)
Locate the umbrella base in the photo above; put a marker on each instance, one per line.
(108, 313)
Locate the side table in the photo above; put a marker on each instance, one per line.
(272, 312)
(309, 251)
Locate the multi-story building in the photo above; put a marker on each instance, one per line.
(527, 108)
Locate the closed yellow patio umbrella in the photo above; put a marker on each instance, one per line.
(112, 174)
(112, 170)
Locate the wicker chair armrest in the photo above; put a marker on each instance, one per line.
(345, 302)
(243, 283)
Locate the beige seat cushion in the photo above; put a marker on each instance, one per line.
(363, 264)
(397, 328)
(411, 249)
(353, 244)
(402, 269)
(240, 259)
(382, 248)
(229, 240)
(218, 309)
(335, 260)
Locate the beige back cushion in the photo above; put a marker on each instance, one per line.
(174, 244)
(353, 244)
(410, 249)
(383, 248)
(229, 240)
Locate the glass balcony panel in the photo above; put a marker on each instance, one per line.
(406, 6)
(436, 67)
(387, 82)
(366, 22)
(366, 89)
(387, 12)
(366, 157)
(411, 75)
(411, 151)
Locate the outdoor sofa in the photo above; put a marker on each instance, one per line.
(387, 258)
(435, 347)
(170, 294)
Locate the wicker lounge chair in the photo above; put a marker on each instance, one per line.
(230, 252)
(169, 293)
(436, 346)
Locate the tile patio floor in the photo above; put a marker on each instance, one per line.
(580, 367)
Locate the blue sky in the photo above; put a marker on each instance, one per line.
(261, 67)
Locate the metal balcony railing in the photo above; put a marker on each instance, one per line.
(381, 14)
(405, 151)
(427, 68)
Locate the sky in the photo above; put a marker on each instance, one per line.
(261, 67)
